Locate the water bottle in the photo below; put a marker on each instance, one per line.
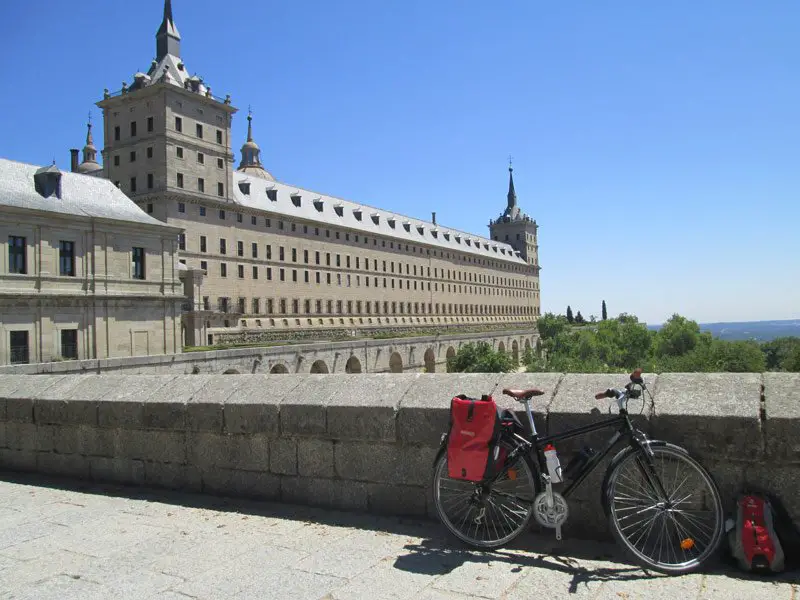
(553, 466)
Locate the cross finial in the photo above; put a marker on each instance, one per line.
(510, 163)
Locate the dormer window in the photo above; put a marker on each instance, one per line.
(357, 213)
(244, 187)
(421, 229)
(407, 226)
(435, 233)
(391, 221)
(376, 218)
(339, 209)
(458, 238)
(318, 204)
(446, 235)
(296, 200)
(272, 195)
(47, 181)
(469, 242)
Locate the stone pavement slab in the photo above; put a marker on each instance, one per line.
(68, 540)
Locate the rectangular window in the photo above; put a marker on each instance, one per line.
(178, 124)
(256, 306)
(281, 255)
(294, 275)
(149, 124)
(201, 184)
(182, 241)
(316, 257)
(306, 276)
(223, 270)
(253, 220)
(202, 211)
(138, 263)
(254, 249)
(241, 271)
(199, 129)
(181, 207)
(202, 243)
(179, 152)
(69, 343)
(294, 254)
(282, 275)
(180, 180)
(150, 181)
(269, 252)
(17, 255)
(239, 218)
(200, 158)
(223, 246)
(220, 164)
(133, 128)
(269, 273)
(116, 133)
(219, 136)
(116, 160)
(255, 272)
(307, 306)
(220, 189)
(66, 258)
(20, 350)
(204, 265)
(330, 307)
(270, 306)
(295, 307)
(240, 248)
(338, 260)
(305, 256)
(133, 184)
(133, 156)
(317, 276)
(242, 303)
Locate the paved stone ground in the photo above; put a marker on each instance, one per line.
(66, 540)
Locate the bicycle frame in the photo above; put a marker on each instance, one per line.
(535, 444)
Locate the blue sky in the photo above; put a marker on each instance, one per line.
(657, 144)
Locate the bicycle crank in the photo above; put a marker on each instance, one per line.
(551, 513)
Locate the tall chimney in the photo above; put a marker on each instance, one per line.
(73, 163)
(433, 217)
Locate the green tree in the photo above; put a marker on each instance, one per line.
(605, 312)
(479, 358)
(579, 318)
(569, 314)
(550, 325)
(677, 337)
(778, 351)
(792, 362)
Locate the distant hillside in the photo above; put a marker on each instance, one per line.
(761, 331)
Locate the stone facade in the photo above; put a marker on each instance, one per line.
(84, 274)
(279, 257)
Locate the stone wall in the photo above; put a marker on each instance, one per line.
(367, 442)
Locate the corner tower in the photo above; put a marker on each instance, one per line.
(165, 134)
(516, 228)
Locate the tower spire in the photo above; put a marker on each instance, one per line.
(249, 124)
(89, 163)
(512, 194)
(251, 154)
(168, 40)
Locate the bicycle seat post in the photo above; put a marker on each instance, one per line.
(529, 411)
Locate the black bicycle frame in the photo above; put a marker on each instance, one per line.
(624, 430)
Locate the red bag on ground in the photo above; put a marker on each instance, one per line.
(753, 540)
(474, 431)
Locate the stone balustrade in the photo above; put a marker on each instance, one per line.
(367, 442)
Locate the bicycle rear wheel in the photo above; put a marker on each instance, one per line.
(673, 532)
(486, 516)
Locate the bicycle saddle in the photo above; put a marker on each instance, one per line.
(523, 394)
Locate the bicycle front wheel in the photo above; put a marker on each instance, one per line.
(665, 509)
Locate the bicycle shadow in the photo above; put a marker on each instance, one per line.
(585, 562)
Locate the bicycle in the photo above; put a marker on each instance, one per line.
(656, 497)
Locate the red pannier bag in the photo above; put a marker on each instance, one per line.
(474, 430)
(754, 543)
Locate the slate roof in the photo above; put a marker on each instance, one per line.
(81, 195)
(329, 210)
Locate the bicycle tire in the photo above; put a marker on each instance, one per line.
(642, 525)
(497, 532)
